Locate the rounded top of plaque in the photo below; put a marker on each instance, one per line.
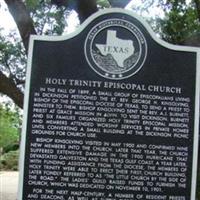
(115, 46)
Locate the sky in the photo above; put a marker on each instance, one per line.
(8, 23)
(6, 20)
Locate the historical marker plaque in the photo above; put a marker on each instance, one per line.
(111, 112)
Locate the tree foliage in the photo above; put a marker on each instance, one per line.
(182, 21)
(54, 21)
(177, 22)
(10, 122)
(13, 58)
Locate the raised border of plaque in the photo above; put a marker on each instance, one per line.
(110, 74)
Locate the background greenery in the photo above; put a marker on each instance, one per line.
(10, 128)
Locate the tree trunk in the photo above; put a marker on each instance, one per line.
(85, 8)
(119, 3)
(23, 20)
(8, 87)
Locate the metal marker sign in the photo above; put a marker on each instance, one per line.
(111, 112)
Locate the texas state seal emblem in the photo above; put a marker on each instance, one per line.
(115, 48)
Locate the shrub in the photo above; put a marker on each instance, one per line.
(9, 161)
